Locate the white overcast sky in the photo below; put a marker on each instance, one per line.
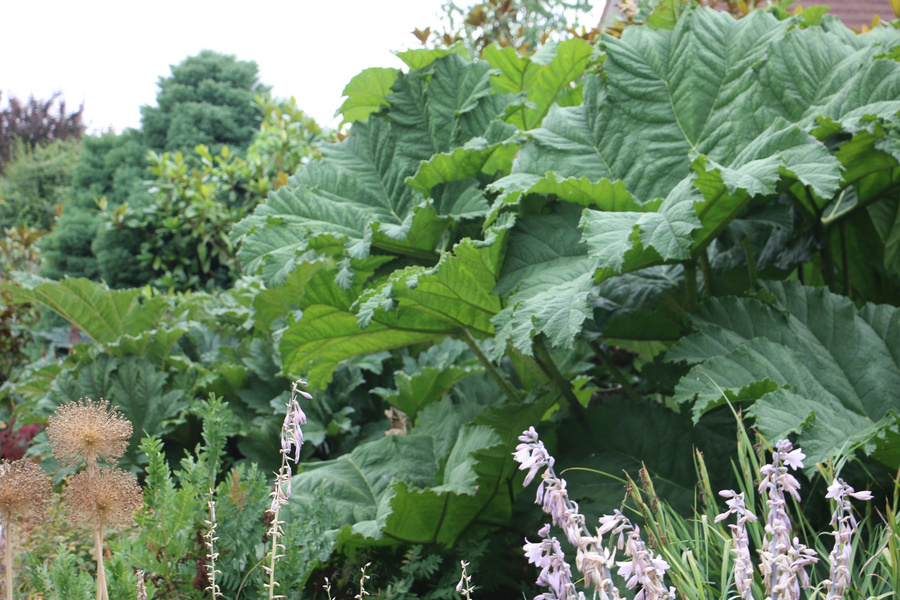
(110, 54)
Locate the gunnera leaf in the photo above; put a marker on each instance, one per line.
(808, 362)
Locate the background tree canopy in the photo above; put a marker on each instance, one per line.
(208, 100)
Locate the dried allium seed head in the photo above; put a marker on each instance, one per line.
(89, 431)
(109, 497)
(24, 490)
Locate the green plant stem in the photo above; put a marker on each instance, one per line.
(7, 555)
(690, 284)
(614, 370)
(706, 270)
(845, 257)
(827, 255)
(548, 365)
(246, 575)
(496, 375)
(751, 260)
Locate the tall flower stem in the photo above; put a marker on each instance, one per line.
(210, 540)
(7, 553)
(102, 594)
(274, 533)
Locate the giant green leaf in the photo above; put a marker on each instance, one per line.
(668, 149)
(425, 379)
(870, 174)
(544, 78)
(357, 194)
(665, 94)
(811, 362)
(366, 93)
(711, 86)
(419, 58)
(547, 276)
(489, 154)
(886, 219)
(602, 195)
(457, 291)
(329, 332)
(414, 305)
(104, 315)
(394, 489)
(703, 204)
(625, 437)
(273, 307)
(627, 241)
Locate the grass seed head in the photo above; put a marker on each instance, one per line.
(88, 431)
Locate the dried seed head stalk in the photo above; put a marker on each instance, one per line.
(362, 582)
(88, 431)
(107, 498)
(24, 490)
(211, 555)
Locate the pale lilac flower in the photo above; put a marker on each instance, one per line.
(743, 564)
(644, 568)
(547, 555)
(593, 560)
(292, 434)
(839, 558)
(531, 454)
(141, 593)
(595, 563)
(783, 560)
(555, 572)
(291, 441)
(465, 582)
(790, 572)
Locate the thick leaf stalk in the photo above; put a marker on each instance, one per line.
(489, 367)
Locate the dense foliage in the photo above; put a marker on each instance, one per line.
(522, 24)
(28, 125)
(37, 185)
(146, 209)
(607, 242)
